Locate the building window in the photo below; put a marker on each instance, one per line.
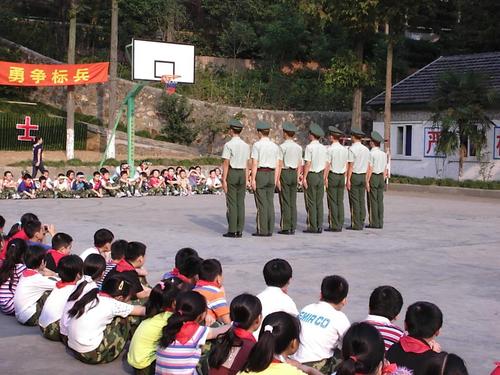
(404, 140)
(470, 150)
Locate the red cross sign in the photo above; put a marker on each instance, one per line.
(27, 127)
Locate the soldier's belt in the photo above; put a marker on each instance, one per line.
(265, 169)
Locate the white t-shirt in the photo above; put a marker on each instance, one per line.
(86, 332)
(213, 182)
(273, 299)
(53, 309)
(94, 250)
(64, 322)
(28, 292)
(322, 329)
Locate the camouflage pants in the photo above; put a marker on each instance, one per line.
(325, 366)
(52, 332)
(116, 335)
(33, 321)
(110, 192)
(7, 193)
(85, 193)
(44, 194)
(155, 191)
(63, 194)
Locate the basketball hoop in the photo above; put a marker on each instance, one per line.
(170, 83)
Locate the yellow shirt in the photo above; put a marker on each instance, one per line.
(142, 351)
(277, 369)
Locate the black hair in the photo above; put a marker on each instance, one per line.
(284, 329)
(188, 307)
(93, 266)
(27, 217)
(334, 289)
(265, 132)
(69, 267)
(33, 257)
(445, 364)
(144, 174)
(153, 171)
(80, 174)
(115, 286)
(423, 320)
(163, 295)
(32, 227)
(42, 178)
(236, 130)
(118, 249)
(16, 227)
(97, 173)
(102, 237)
(14, 255)
(210, 269)
(6, 173)
(183, 254)
(362, 350)
(190, 267)
(26, 176)
(277, 272)
(163, 171)
(36, 139)
(386, 301)
(123, 173)
(171, 168)
(61, 175)
(2, 221)
(245, 310)
(135, 250)
(61, 240)
(69, 171)
(289, 133)
(103, 170)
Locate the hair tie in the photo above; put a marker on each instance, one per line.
(120, 286)
(354, 358)
(269, 328)
(18, 223)
(162, 285)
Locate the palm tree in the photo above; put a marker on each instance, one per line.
(460, 111)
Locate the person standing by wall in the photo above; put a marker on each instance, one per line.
(37, 156)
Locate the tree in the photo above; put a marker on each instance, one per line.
(70, 101)
(113, 69)
(213, 123)
(460, 111)
(176, 112)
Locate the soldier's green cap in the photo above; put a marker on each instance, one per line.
(316, 130)
(376, 137)
(289, 127)
(234, 123)
(357, 132)
(335, 130)
(261, 125)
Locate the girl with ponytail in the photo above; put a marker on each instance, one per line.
(179, 348)
(230, 351)
(98, 327)
(11, 270)
(142, 352)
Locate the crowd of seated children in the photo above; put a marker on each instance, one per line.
(94, 305)
(171, 181)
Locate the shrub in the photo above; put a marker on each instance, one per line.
(176, 112)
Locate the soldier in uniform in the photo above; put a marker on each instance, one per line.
(315, 158)
(375, 177)
(234, 178)
(358, 157)
(335, 180)
(265, 155)
(289, 170)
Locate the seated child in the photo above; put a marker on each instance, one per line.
(36, 233)
(93, 269)
(70, 177)
(27, 188)
(43, 190)
(214, 185)
(187, 266)
(127, 189)
(17, 231)
(107, 185)
(127, 269)
(61, 246)
(142, 352)
(210, 286)
(171, 182)
(33, 288)
(70, 270)
(184, 186)
(102, 244)
(80, 185)
(179, 349)
(322, 325)
(230, 351)
(96, 185)
(156, 183)
(10, 273)
(385, 305)
(118, 249)
(423, 322)
(48, 180)
(9, 186)
(142, 183)
(98, 326)
(62, 187)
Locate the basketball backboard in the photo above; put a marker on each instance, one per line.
(152, 60)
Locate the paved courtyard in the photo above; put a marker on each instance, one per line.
(444, 249)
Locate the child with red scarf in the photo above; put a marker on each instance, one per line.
(187, 266)
(61, 246)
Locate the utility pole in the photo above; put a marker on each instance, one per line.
(70, 100)
(113, 67)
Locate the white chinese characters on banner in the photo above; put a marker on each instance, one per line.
(496, 143)
(431, 138)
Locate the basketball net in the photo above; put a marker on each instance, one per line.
(170, 83)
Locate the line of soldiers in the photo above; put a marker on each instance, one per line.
(267, 166)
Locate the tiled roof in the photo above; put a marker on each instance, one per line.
(420, 87)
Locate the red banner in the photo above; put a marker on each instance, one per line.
(16, 74)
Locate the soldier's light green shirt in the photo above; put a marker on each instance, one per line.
(238, 153)
(337, 157)
(359, 156)
(316, 154)
(266, 152)
(291, 154)
(378, 160)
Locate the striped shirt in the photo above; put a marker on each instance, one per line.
(215, 296)
(389, 332)
(109, 266)
(7, 294)
(181, 359)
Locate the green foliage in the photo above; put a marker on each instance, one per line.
(472, 184)
(176, 112)
(347, 72)
(143, 133)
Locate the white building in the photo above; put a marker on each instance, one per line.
(413, 138)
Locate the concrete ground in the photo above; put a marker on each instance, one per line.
(442, 249)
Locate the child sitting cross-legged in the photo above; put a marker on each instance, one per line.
(33, 288)
(180, 345)
(27, 188)
(61, 246)
(118, 249)
(230, 351)
(322, 325)
(187, 266)
(98, 325)
(142, 352)
(70, 270)
(102, 244)
(10, 272)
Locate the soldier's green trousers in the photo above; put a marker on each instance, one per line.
(357, 201)
(264, 200)
(235, 200)
(376, 201)
(335, 199)
(288, 199)
(314, 200)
